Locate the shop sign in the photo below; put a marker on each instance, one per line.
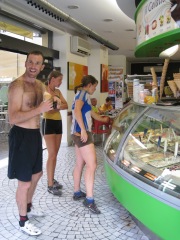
(157, 17)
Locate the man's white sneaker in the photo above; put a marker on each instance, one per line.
(35, 213)
(30, 229)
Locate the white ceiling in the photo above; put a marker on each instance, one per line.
(92, 14)
(121, 31)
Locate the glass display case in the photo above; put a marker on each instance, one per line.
(143, 153)
(119, 127)
(150, 150)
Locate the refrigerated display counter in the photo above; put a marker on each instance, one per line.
(142, 165)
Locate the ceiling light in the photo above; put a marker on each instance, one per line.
(73, 7)
(108, 20)
(169, 51)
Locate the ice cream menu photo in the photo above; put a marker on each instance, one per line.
(157, 17)
(116, 86)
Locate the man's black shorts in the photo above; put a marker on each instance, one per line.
(25, 153)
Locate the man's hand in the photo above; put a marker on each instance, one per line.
(46, 106)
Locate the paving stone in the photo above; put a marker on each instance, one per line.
(65, 218)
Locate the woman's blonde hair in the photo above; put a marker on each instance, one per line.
(52, 74)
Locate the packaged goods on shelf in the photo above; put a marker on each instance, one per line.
(143, 79)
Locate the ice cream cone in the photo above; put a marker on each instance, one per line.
(177, 82)
(166, 62)
(47, 96)
(164, 70)
(173, 87)
(154, 77)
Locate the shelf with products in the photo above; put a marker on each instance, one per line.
(142, 163)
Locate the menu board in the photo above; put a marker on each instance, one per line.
(116, 86)
(157, 17)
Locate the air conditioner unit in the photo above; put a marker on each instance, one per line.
(80, 46)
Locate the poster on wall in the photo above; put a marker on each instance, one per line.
(157, 17)
(111, 92)
(116, 86)
(104, 78)
(75, 74)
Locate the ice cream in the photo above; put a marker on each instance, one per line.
(47, 96)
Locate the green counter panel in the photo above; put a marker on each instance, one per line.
(161, 219)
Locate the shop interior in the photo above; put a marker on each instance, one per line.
(145, 146)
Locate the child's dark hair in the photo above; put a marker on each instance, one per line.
(108, 99)
(85, 81)
(52, 74)
(36, 52)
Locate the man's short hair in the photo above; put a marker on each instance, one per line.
(36, 52)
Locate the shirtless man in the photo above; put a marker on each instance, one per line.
(25, 104)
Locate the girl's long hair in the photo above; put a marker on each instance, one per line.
(85, 81)
(52, 74)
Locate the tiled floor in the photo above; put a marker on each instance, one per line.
(65, 218)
